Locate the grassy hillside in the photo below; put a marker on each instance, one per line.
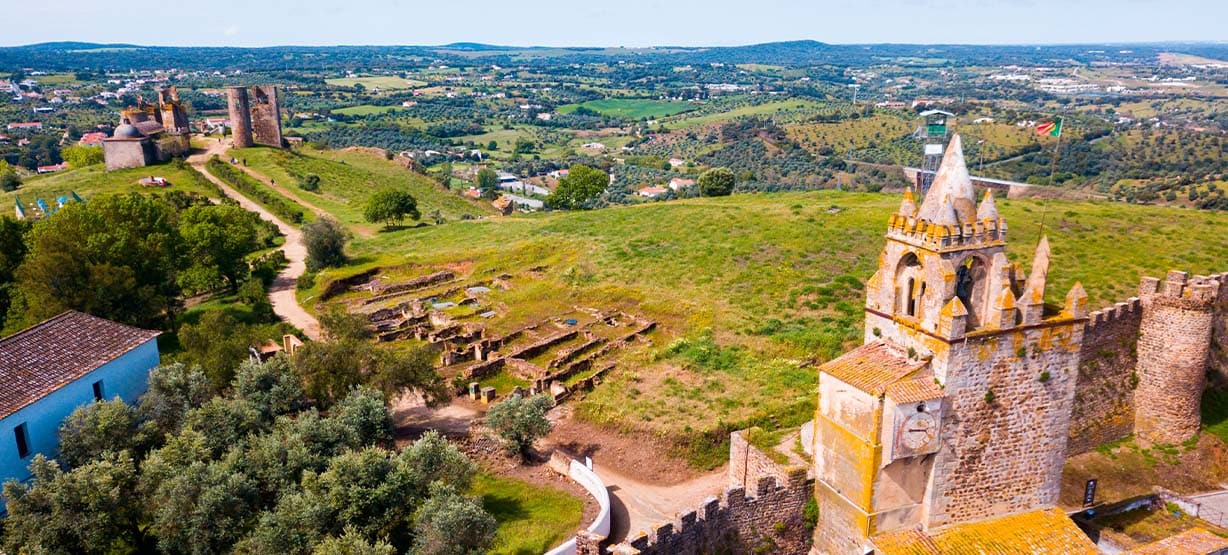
(752, 290)
(349, 177)
(92, 180)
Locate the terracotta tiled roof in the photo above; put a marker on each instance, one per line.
(1195, 541)
(911, 391)
(1036, 532)
(45, 357)
(872, 367)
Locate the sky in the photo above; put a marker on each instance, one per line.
(610, 22)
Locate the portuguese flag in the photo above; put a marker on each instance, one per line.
(1050, 128)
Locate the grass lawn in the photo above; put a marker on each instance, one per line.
(376, 81)
(349, 177)
(747, 289)
(532, 519)
(93, 180)
(631, 108)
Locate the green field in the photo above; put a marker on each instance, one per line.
(756, 284)
(764, 109)
(376, 81)
(631, 108)
(349, 177)
(366, 110)
(93, 180)
(532, 519)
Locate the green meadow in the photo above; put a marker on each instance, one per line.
(93, 180)
(751, 291)
(631, 108)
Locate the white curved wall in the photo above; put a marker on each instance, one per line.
(588, 479)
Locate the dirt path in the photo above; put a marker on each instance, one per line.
(281, 294)
(637, 506)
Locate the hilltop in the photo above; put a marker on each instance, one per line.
(750, 291)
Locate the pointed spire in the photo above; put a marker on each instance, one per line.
(988, 209)
(950, 199)
(908, 206)
(1040, 268)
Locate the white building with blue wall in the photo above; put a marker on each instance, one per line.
(50, 369)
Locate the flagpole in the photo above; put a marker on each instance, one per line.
(1044, 207)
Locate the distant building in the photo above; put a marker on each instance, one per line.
(50, 369)
(92, 139)
(504, 205)
(678, 183)
(651, 192)
(593, 146)
(53, 168)
(675, 162)
(28, 125)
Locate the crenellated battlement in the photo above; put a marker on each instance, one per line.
(1131, 309)
(718, 522)
(1178, 289)
(943, 236)
(739, 519)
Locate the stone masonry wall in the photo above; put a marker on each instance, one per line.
(1173, 351)
(1218, 358)
(748, 464)
(240, 116)
(766, 519)
(1103, 408)
(1003, 453)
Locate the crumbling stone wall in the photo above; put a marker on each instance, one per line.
(1103, 408)
(768, 519)
(748, 464)
(240, 116)
(266, 116)
(1173, 351)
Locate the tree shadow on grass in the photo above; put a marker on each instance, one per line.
(504, 508)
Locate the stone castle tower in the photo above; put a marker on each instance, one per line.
(957, 406)
(254, 118)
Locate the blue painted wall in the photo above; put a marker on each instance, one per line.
(125, 377)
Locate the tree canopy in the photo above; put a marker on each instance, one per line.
(716, 182)
(488, 182)
(117, 256)
(325, 240)
(579, 189)
(390, 206)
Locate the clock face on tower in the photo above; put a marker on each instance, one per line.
(918, 431)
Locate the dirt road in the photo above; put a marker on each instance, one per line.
(281, 294)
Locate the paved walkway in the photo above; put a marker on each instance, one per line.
(281, 294)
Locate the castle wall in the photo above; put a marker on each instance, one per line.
(1104, 394)
(1005, 455)
(240, 116)
(1217, 360)
(265, 116)
(765, 518)
(1173, 350)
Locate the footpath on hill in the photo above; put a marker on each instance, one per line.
(281, 294)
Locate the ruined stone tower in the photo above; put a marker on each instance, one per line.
(956, 408)
(255, 118)
(1173, 349)
(240, 116)
(173, 115)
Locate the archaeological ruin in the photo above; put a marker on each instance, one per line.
(255, 116)
(148, 133)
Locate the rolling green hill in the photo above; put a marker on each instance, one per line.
(348, 177)
(751, 290)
